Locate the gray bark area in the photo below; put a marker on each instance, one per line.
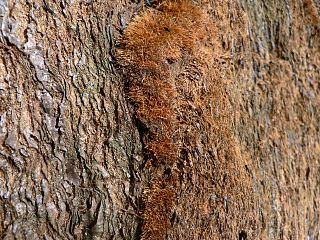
(71, 155)
(68, 149)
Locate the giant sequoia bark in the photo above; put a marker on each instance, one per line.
(72, 153)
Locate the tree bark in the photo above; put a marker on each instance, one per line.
(72, 157)
(69, 150)
(279, 115)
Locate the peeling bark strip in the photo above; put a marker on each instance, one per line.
(153, 44)
(179, 95)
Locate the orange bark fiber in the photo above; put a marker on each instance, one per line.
(151, 44)
(154, 41)
(166, 58)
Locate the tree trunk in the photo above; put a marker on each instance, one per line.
(73, 151)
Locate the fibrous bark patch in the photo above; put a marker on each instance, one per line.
(174, 71)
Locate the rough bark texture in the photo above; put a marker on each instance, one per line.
(69, 151)
(279, 115)
(72, 158)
